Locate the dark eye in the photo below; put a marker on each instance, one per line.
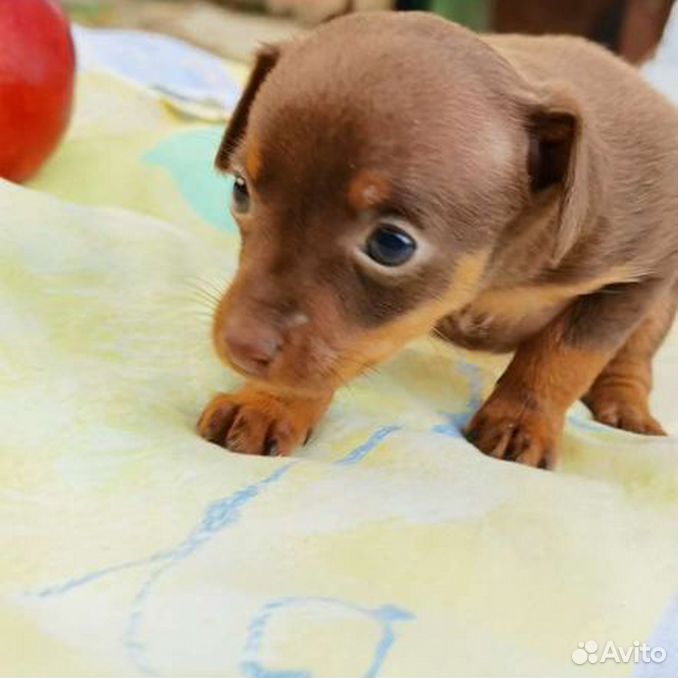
(390, 246)
(241, 194)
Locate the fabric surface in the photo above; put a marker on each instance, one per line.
(388, 546)
(185, 76)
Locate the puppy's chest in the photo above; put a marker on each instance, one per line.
(499, 320)
(502, 318)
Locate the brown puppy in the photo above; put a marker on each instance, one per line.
(397, 174)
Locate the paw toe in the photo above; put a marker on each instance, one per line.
(513, 433)
(628, 417)
(248, 433)
(216, 420)
(253, 425)
(623, 406)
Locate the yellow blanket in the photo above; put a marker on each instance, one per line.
(388, 546)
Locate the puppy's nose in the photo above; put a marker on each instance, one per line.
(252, 347)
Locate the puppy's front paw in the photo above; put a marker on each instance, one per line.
(255, 422)
(510, 429)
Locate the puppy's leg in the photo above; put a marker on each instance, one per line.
(254, 421)
(523, 418)
(619, 396)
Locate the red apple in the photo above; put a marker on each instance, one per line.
(37, 67)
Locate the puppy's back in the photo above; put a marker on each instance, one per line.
(634, 127)
(609, 86)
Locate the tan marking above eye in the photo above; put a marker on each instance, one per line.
(253, 160)
(367, 190)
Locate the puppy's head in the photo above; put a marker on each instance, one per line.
(376, 162)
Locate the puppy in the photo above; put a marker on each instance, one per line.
(397, 174)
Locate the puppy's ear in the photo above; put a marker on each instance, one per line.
(265, 60)
(560, 155)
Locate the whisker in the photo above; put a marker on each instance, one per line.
(206, 289)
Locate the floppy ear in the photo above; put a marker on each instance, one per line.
(561, 154)
(266, 58)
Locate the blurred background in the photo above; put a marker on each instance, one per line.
(192, 56)
(231, 28)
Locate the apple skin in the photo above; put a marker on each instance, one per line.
(37, 72)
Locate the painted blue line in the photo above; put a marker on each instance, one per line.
(456, 422)
(217, 516)
(385, 617)
(453, 426)
(387, 639)
(388, 615)
(256, 670)
(225, 511)
(77, 582)
(360, 452)
(135, 648)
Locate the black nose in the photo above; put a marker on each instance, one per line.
(251, 346)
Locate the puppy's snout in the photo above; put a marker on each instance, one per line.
(252, 346)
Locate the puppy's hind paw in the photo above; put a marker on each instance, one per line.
(622, 410)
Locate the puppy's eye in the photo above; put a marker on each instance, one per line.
(241, 194)
(390, 246)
